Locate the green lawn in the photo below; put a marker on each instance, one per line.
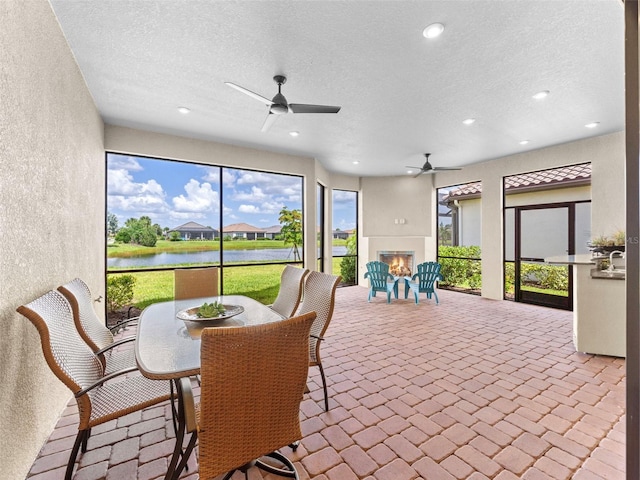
(132, 250)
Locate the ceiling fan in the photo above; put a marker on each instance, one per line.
(279, 106)
(428, 168)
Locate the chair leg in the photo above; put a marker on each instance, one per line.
(437, 300)
(185, 456)
(80, 439)
(85, 440)
(289, 472)
(324, 387)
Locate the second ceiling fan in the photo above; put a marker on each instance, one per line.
(428, 168)
(278, 105)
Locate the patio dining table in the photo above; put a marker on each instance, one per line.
(168, 346)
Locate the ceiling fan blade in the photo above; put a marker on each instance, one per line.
(413, 168)
(304, 108)
(447, 168)
(419, 173)
(269, 121)
(260, 98)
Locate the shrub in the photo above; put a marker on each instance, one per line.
(462, 270)
(119, 291)
(174, 237)
(348, 270)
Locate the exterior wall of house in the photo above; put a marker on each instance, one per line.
(558, 195)
(470, 221)
(53, 170)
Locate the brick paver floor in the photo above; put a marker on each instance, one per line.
(470, 389)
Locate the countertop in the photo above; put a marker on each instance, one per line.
(581, 259)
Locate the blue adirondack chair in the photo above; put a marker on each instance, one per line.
(380, 280)
(428, 273)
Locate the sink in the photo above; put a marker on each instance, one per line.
(618, 273)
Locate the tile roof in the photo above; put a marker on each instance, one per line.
(241, 227)
(544, 179)
(192, 226)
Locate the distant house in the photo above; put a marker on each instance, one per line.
(243, 230)
(195, 231)
(273, 231)
(342, 234)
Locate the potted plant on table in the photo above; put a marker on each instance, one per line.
(608, 244)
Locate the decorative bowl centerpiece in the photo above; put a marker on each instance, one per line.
(209, 311)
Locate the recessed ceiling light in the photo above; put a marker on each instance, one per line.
(524, 142)
(469, 121)
(433, 30)
(356, 162)
(294, 134)
(592, 124)
(541, 95)
(184, 110)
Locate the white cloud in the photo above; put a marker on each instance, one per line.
(256, 195)
(265, 207)
(199, 198)
(123, 162)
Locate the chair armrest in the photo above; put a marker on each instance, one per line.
(366, 275)
(415, 276)
(440, 277)
(188, 404)
(122, 324)
(100, 381)
(115, 344)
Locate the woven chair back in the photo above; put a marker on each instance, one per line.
(253, 380)
(195, 282)
(290, 293)
(319, 297)
(68, 356)
(91, 328)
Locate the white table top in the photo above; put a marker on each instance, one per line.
(168, 347)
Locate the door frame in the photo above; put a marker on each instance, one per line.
(536, 298)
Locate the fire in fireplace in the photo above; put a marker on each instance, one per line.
(400, 262)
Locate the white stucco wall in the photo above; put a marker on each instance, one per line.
(51, 213)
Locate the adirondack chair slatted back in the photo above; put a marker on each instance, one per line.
(428, 274)
(378, 275)
(380, 280)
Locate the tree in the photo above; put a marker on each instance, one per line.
(112, 223)
(139, 231)
(291, 232)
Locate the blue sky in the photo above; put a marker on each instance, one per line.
(172, 193)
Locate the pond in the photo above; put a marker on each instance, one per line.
(212, 256)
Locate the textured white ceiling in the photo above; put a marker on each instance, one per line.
(401, 94)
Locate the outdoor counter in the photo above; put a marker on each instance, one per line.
(599, 318)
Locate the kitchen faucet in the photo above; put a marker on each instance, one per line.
(611, 266)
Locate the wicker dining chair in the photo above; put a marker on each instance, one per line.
(253, 380)
(290, 293)
(319, 297)
(75, 365)
(195, 282)
(93, 331)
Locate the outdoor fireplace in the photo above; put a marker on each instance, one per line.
(400, 262)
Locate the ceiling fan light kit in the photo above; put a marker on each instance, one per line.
(428, 169)
(278, 105)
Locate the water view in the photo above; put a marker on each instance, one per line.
(211, 256)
